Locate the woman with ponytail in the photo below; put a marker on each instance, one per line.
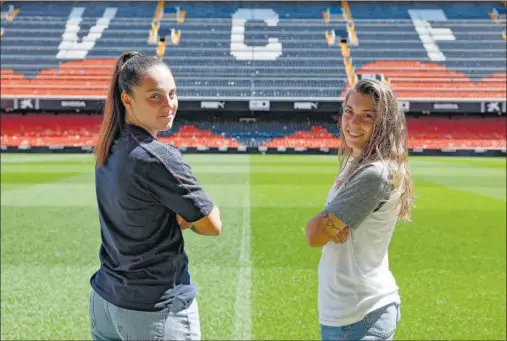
(358, 296)
(146, 195)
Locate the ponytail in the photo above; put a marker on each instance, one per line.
(114, 110)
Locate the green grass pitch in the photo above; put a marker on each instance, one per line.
(258, 280)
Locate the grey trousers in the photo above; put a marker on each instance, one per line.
(109, 322)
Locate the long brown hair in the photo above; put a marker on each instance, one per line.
(128, 72)
(388, 142)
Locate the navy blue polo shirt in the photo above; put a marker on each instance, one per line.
(140, 189)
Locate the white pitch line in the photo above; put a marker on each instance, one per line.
(242, 328)
(27, 158)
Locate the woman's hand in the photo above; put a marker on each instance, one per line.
(326, 227)
(341, 236)
(336, 230)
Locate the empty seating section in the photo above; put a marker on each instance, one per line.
(317, 137)
(47, 130)
(191, 136)
(424, 132)
(457, 133)
(226, 49)
(428, 77)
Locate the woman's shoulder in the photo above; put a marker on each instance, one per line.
(155, 151)
(373, 171)
(160, 160)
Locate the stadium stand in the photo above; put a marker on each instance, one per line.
(425, 133)
(214, 57)
(285, 51)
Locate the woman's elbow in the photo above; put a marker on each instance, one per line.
(211, 225)
(312, 242)
(217, 222)
(217, 229)
(310, 237)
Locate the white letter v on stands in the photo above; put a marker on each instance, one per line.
(71, 47)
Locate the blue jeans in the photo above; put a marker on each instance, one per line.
(109, 322)
(377, 325)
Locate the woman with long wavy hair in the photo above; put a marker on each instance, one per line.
(358, 297)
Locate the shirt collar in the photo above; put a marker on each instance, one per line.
(131, 128)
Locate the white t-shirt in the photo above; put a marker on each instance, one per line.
(354, 277)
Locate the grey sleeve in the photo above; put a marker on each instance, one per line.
(368, 188)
